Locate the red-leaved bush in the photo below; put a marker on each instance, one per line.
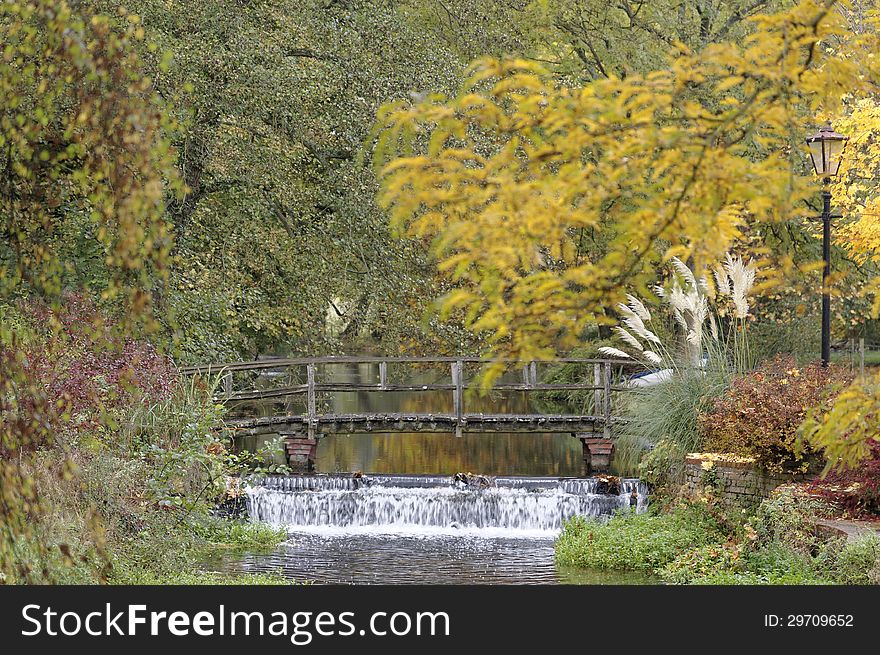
(858, 489)
(84, 366)
(759, 415)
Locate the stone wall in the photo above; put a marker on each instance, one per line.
(736, 480)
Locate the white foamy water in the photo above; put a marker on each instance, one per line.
(425, 506)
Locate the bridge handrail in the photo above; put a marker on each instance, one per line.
(279, 392)
(601, 387)
(280, 362)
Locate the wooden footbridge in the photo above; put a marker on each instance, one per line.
(289, 397)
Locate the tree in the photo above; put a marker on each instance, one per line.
(280, 228)
(506, 175)
(85, 162)
(597, 38)
(83, 173)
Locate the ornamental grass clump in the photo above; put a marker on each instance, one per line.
(661, 424)
(710, 314)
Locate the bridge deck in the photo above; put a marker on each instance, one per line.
(399, 422)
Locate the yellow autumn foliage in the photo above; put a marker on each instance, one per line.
(507, 177)
(845, 433)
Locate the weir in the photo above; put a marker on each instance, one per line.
(412, 503)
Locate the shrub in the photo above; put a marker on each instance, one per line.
(852, 562)
(640, 542)
(64, 373)
(761, 412)
(733, 564)
(788, 518)
(125, 465)
(848, 434)
(178, 437)
(78, 358)
(778, 546)
(856, 490)
(839, 562)
(101, 526)
(777, 560)
(700, 562)
(662, 467)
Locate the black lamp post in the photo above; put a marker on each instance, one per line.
(826, 150)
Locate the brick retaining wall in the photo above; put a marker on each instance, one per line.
(736, 480)
(301, 452)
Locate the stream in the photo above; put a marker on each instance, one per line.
(386, 529)
(385, 508)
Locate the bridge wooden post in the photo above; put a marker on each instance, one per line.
(597, 393)
(606, 383)
(288, 405)
(458, 396)
(312, 403)
(227, 383)
(383, 375)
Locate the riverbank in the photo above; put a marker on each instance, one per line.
(699, 542)
(111, 462)
(101, 527)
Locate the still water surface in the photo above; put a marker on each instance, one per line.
(424, 558)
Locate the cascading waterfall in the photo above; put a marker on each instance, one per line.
(517, 505)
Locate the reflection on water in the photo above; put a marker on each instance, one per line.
(421, 558)
(444, 454)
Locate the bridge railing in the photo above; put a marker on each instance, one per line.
(299, 377)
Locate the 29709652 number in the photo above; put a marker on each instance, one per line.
(819, 620)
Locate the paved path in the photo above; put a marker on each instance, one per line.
(852, 529)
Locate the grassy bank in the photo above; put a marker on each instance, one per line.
(635, 542)
(100, 525)
(115, 478)
(695, 543)
(199, 540)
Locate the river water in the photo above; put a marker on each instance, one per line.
(385, 509)
(391, 529)
(418, 558)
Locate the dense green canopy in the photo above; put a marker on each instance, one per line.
(279, 245)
